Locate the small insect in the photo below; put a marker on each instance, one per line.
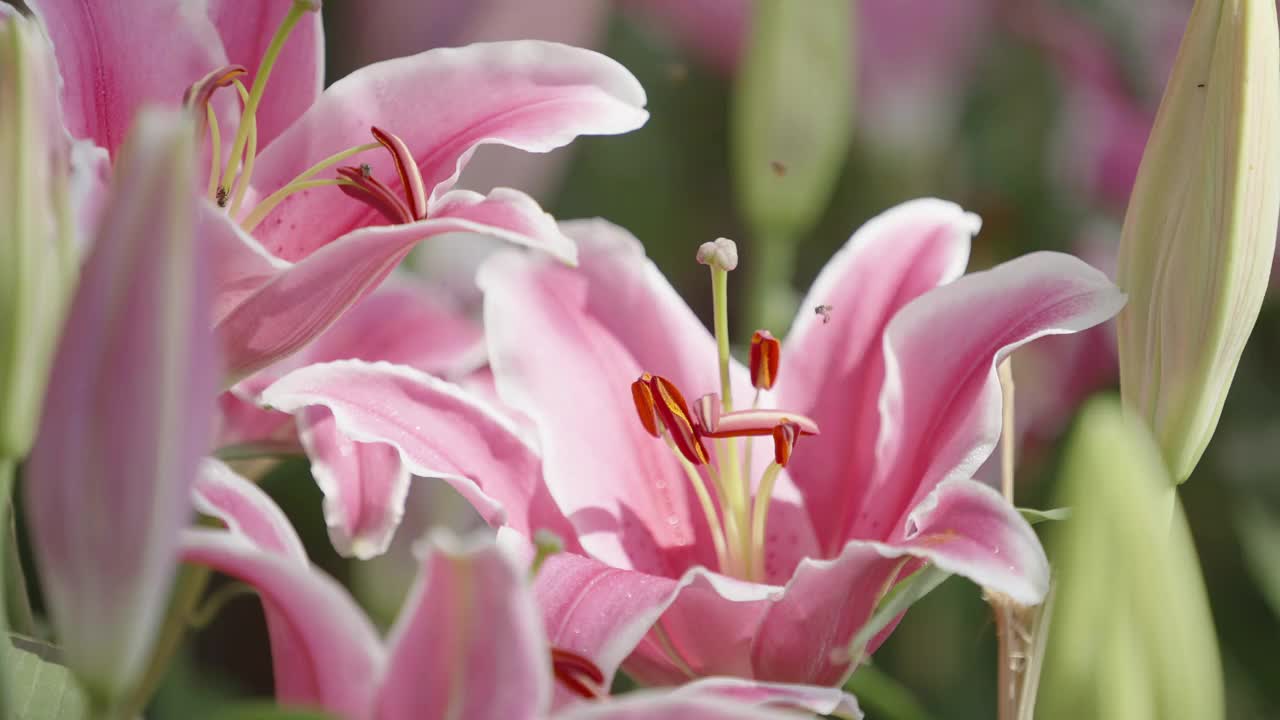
(825, 312)
(678, 72)
(222, 196)
(1199, 84)
(365, 170)
(778, 168)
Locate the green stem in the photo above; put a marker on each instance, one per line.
(7, 468)
(187, 591)
(17, 597)
(770, 297)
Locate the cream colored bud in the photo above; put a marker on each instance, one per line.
(722, 254)
(37, 250)
(1200, 231)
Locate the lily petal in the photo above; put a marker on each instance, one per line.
(297, 78)
(116, 57)
(470, 643)
(656, 704)
(597, 611)
(364, 485)
(324, 650)
(248, 511)
(439, 431)
(298, 303)
(969, 529)
(532, 95)
(941, 412)
(127, 415)
(832, 369)
(556, 362)
(813, 698)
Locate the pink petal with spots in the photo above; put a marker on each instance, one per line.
(832, 370)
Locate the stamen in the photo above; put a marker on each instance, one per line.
(759, 514)
(765, 356)
(198, 98)
(674, 413)
(706, 413)
(264, 208)
(718, 536)
(577, 673)
(296, 11)
(407, 166)
(749, 423)
(250, 154)
(784, 440)
(371, 190)
(643, 398)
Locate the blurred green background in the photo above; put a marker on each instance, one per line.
(1031, 114)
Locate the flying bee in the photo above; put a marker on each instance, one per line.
(825, 312)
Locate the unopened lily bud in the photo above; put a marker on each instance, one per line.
(1200, 230)
(37, 247)
(127, 416)
(1130, 635)
(721, 253)
(766, 353)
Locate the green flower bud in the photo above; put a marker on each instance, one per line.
(1130, 635)
(37, 250)
(1200, 231)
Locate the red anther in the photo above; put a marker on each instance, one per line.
(784, 440)
(198, 94)
(706, 413)
(674, 413)
(744, 423)
(410, 176)
(766, 353)
(201, 91)
(577, 673)
(643, 397)
(373, 192)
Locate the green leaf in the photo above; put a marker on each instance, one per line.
(41, 688)
(1035, 517)
(884, 696)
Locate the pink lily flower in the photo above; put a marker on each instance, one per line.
(291, 250)
(883, 403)
(126, 417)
(468, 643)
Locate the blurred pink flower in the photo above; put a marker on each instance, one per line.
(127, 415)
(468, 643)
(885, 486)
(291, 256)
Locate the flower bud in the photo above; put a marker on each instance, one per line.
(37, 248)
(1131, 635)
(1200, 230)
(127, 417)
